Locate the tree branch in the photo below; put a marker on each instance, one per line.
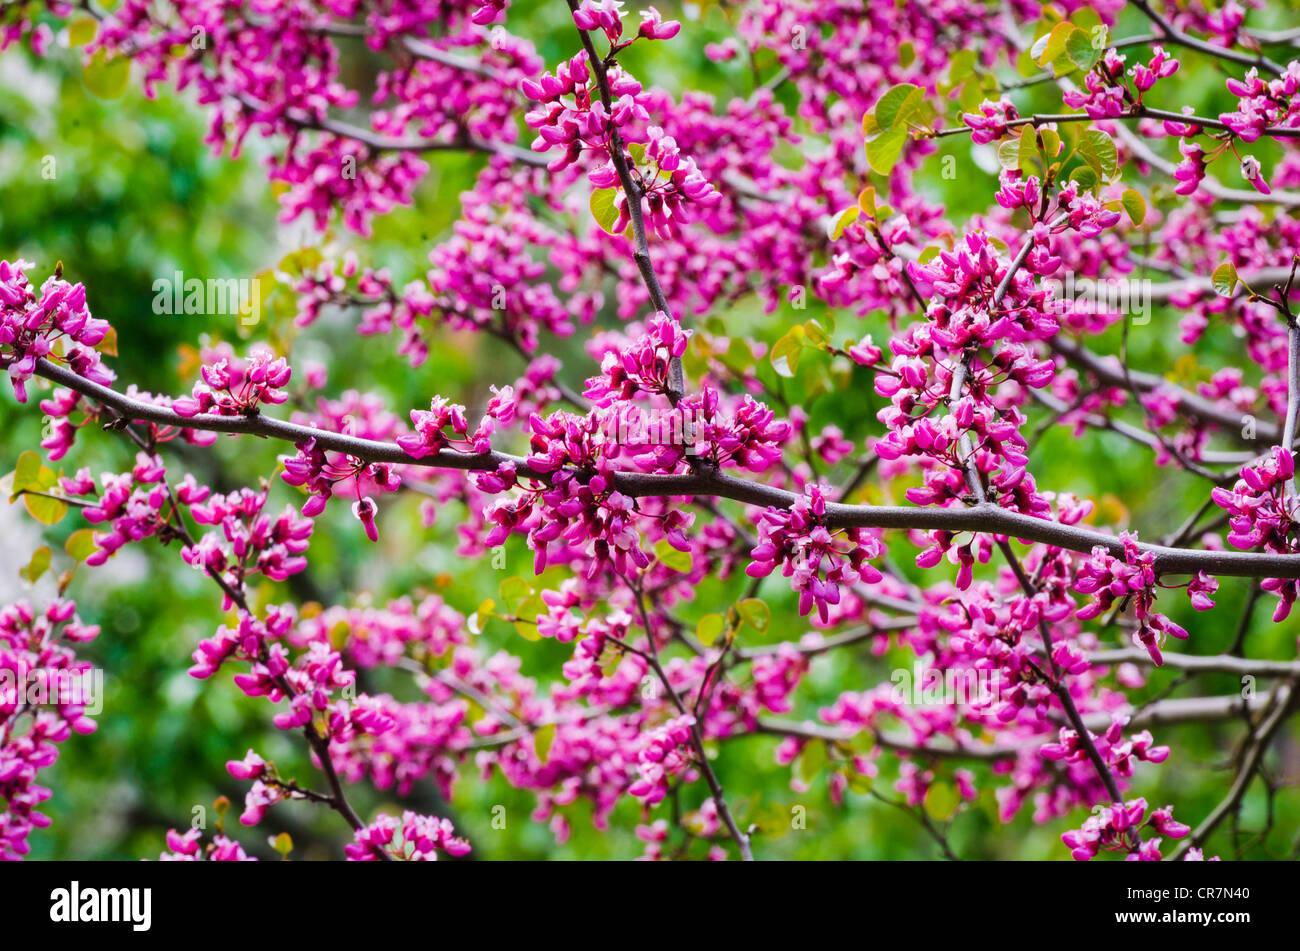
(708, 482)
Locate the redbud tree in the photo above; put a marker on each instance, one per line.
(727, 485)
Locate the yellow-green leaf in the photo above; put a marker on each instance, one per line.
(27, 471)
(82, 30)
(39, 564)
(527, 614)
(785, 354)
(105, 77)
(841, 221)
(816, 334)
(941, 801)
(755, 613)
(1081, 50)
(674, 559)
(108, 346)
(542, 741)
(1027, 157)
(709, 627)
(1135, 205)
(1048, 48)
(602, 208)
(896, 104)
(884, 151)
(44, 509)
(1224, 279)
(81, 544)
(514, 592)
(812, 760)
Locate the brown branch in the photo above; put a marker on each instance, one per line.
(709, 482)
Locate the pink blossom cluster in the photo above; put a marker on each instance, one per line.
(1261, 506)
(1119, 828)
(250, 540)
(666, 755)
(815, 559)
(413, 838)
(1131, 579)
(37, 650)
(992, 122)
(52, 322)
(1107, 96)
(232, 387)
(641, 368)
(1264, 103)
(190, 848)
(1119, 754)
(669, 183)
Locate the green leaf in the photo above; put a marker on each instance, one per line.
(674, 559)
(755, 613)
(283, 843)
(1050, 47)
(815, 334)
(542, 741)
(1026, 64)
(27, 471)
(1135, 205)
(514, 592)
(39, 564)
(941, 801)
(885, 128)
(896, 104)
(1085, 18)
(81, 31)
(1009, 154)
(1081, 50)
(960, 66)
(841, 221)
(81, 544)
(883, 152)
(1098, 150)
(1085, 176)
(107, 78)
(709, 627)
(1028, 151)
(812, 760)
(972, 95)
(1224, 279)
(527, 614)
(602, 208)
(785, 354)
(44, 509)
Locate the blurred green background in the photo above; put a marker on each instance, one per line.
(137, 195)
